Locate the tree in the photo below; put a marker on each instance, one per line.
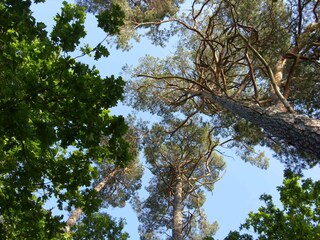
(261, 66)
(183, 163)
(115, 189)
(298, 218)
(139, 14)
(115, 184)
(53, 114)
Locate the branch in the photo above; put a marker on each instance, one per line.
(198, 13)
(281, 63)
(290, 77)
(279, 68)
(137, 25)
(175, 77)
(256, 93)
(314, 10)
(184, 122)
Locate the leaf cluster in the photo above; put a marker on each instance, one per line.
(100, 226)
(297, 218)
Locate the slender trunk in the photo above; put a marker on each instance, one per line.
(295, 129)
(75, 215)
(177, 211)
(278, 77)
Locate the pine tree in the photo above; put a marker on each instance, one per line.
(184, 164)
(260, 66)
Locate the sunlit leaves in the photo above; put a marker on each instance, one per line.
(298, 217)
(69, 28)
(53, 116)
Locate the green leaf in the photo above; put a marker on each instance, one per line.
(101, 51)
(111, 19)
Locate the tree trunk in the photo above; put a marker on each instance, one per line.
(177, 211)
(295, 129)
(75, 215)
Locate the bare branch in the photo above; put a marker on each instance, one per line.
(254, 82)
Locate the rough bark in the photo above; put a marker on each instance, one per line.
(300, 131)
(177, 211)
(75, 215)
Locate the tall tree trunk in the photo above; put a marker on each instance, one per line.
(75, 215)
(295, 129)
(177, 211)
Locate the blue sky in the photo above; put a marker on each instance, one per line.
(236, 194)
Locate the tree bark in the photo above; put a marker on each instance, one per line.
(300, 131)
(177, 211)
(75, 215)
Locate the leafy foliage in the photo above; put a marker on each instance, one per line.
(235, 235)
(111, 20)
(69, 27)
(100, 226)
(53, 113)
(297, 219)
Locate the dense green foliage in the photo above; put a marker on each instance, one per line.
(53, 113)
(298, 218)
(99, 226)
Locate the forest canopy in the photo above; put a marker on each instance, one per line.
(245, 81)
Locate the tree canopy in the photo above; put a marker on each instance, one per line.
(54, 111)
(298, 218)
(261, 66)
(139, 14)
(237, 78)
(184, 164)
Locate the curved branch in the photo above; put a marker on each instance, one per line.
(256, 92)
(280, 64)
(175, 77)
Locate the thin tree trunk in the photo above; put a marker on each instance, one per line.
(177, 211)
(295, 129)
(75, 215)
